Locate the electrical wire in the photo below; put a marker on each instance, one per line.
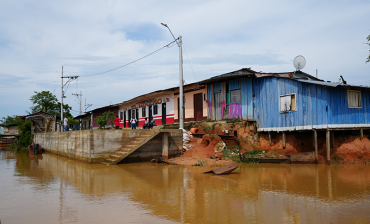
(156, 51)
(190, 63)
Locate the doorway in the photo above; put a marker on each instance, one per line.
(150, 113)
(124, 119)
(129, 118)
(163, 113)
(218, 106)
(198, 107)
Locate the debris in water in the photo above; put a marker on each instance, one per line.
(224, 170)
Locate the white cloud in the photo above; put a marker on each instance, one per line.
(38, 37)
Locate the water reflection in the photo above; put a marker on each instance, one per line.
(156, 193)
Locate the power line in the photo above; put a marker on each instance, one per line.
(156, 51)
(190, 63)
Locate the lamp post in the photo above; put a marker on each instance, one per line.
(181, 82)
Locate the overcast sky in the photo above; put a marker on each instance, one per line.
(37, 38)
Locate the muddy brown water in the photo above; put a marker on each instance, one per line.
(54, 189)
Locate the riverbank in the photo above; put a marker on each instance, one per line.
(346, 149)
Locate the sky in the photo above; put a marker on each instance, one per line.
(37, 38)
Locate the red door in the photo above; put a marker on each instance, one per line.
(198, 107)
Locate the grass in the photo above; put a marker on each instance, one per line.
(253, 152)
(201, 162)
(208, 120)
(234, 120)
(337, 159)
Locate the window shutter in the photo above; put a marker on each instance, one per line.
(235, 96)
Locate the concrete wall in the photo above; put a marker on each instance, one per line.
(92, 146)
(153, 148)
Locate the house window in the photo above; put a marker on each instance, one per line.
(287, 103)
(354, 99)
(143, 112)
(155, 109)
(235, 96)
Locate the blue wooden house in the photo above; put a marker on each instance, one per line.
(293, 101)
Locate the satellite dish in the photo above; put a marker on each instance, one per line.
(299, 62)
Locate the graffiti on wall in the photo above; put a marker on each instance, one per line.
(235, 110)
(223, 108)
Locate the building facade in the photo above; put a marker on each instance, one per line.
(158, 105)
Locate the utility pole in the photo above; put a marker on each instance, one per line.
(87, 105)
(181, 101)
(181, 81)
(61, 105)
(70, 78)
(79, 97)
(80, 101)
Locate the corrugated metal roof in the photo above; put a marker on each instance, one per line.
(242, 72)
(322, 83)
(331, 84)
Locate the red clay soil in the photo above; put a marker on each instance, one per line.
(350, 149)
(203, 151)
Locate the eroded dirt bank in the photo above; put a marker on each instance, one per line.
(348, 148)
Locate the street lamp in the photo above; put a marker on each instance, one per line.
(181, 82)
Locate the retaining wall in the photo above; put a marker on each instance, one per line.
(92, 146)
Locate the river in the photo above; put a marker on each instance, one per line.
(54, 189)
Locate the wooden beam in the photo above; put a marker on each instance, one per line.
(284, 140)
(332, 139)
(316, 147)
(313, 139)
(213, 102)
(362, 133)
(328, 147)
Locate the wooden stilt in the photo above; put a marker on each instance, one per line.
(313, 140)
(332, 139)
(270, 138)
(284, 139)
(362, 133)
(328, 147)
(316, 147)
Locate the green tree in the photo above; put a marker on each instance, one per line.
(43, 101)
(47, 102)
(9, 120)
(368, 43)
(104, 118)
(25, 133)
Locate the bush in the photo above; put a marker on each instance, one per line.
(25, 133)
(104, 118)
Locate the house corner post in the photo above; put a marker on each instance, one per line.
(328, 146)
(284, 140)
(316, 147)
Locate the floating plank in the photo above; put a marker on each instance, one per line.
(224, 170)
